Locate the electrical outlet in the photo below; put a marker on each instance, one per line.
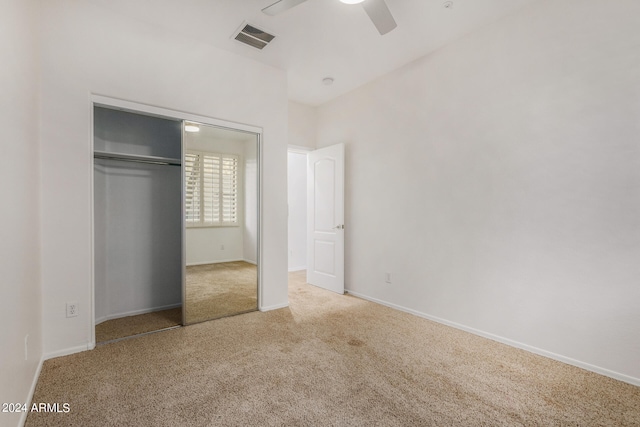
(387, 277)
(222, 247)
(72, 309)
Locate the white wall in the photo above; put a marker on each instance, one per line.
(297, 193)
(498, 180)
(303, 123)
(21, 304)
(208, 245)
(87, 50)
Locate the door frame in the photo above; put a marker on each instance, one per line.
(96, 100)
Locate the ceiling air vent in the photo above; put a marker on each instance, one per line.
(252, 36)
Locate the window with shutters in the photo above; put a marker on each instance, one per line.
(211, 189)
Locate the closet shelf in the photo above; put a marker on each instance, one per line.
(109, 155)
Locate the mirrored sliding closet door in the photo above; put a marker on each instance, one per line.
(221, 219)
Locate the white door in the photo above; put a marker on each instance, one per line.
(325, 218)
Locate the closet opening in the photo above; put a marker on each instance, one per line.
(176, 219)
(137, 223)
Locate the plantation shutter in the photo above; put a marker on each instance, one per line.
(212, 187)
(192, 188)
(229, 189)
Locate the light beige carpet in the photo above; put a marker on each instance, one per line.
(326, 360)
(219, 290)
(213, 291)
(139, 324)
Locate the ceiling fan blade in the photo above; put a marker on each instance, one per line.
(380, 15)
(281, 6)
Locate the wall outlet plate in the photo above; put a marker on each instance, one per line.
(72, 309)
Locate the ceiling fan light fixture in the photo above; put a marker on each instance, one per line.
(351, 1)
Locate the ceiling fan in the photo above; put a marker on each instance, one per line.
(376, 9)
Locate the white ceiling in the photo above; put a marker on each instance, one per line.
(322, 38)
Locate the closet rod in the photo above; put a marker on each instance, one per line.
(136, 158)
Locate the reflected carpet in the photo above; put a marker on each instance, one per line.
(220, 290)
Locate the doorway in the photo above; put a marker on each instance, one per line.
(316, 215)
(297, 201)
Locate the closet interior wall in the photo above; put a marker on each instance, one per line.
(137, 215)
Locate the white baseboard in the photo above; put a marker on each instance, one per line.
(32, 389)
(292, 269)
(136, 312)
(68, 351)
(569, 361)
(273, 307)
(219, 261)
